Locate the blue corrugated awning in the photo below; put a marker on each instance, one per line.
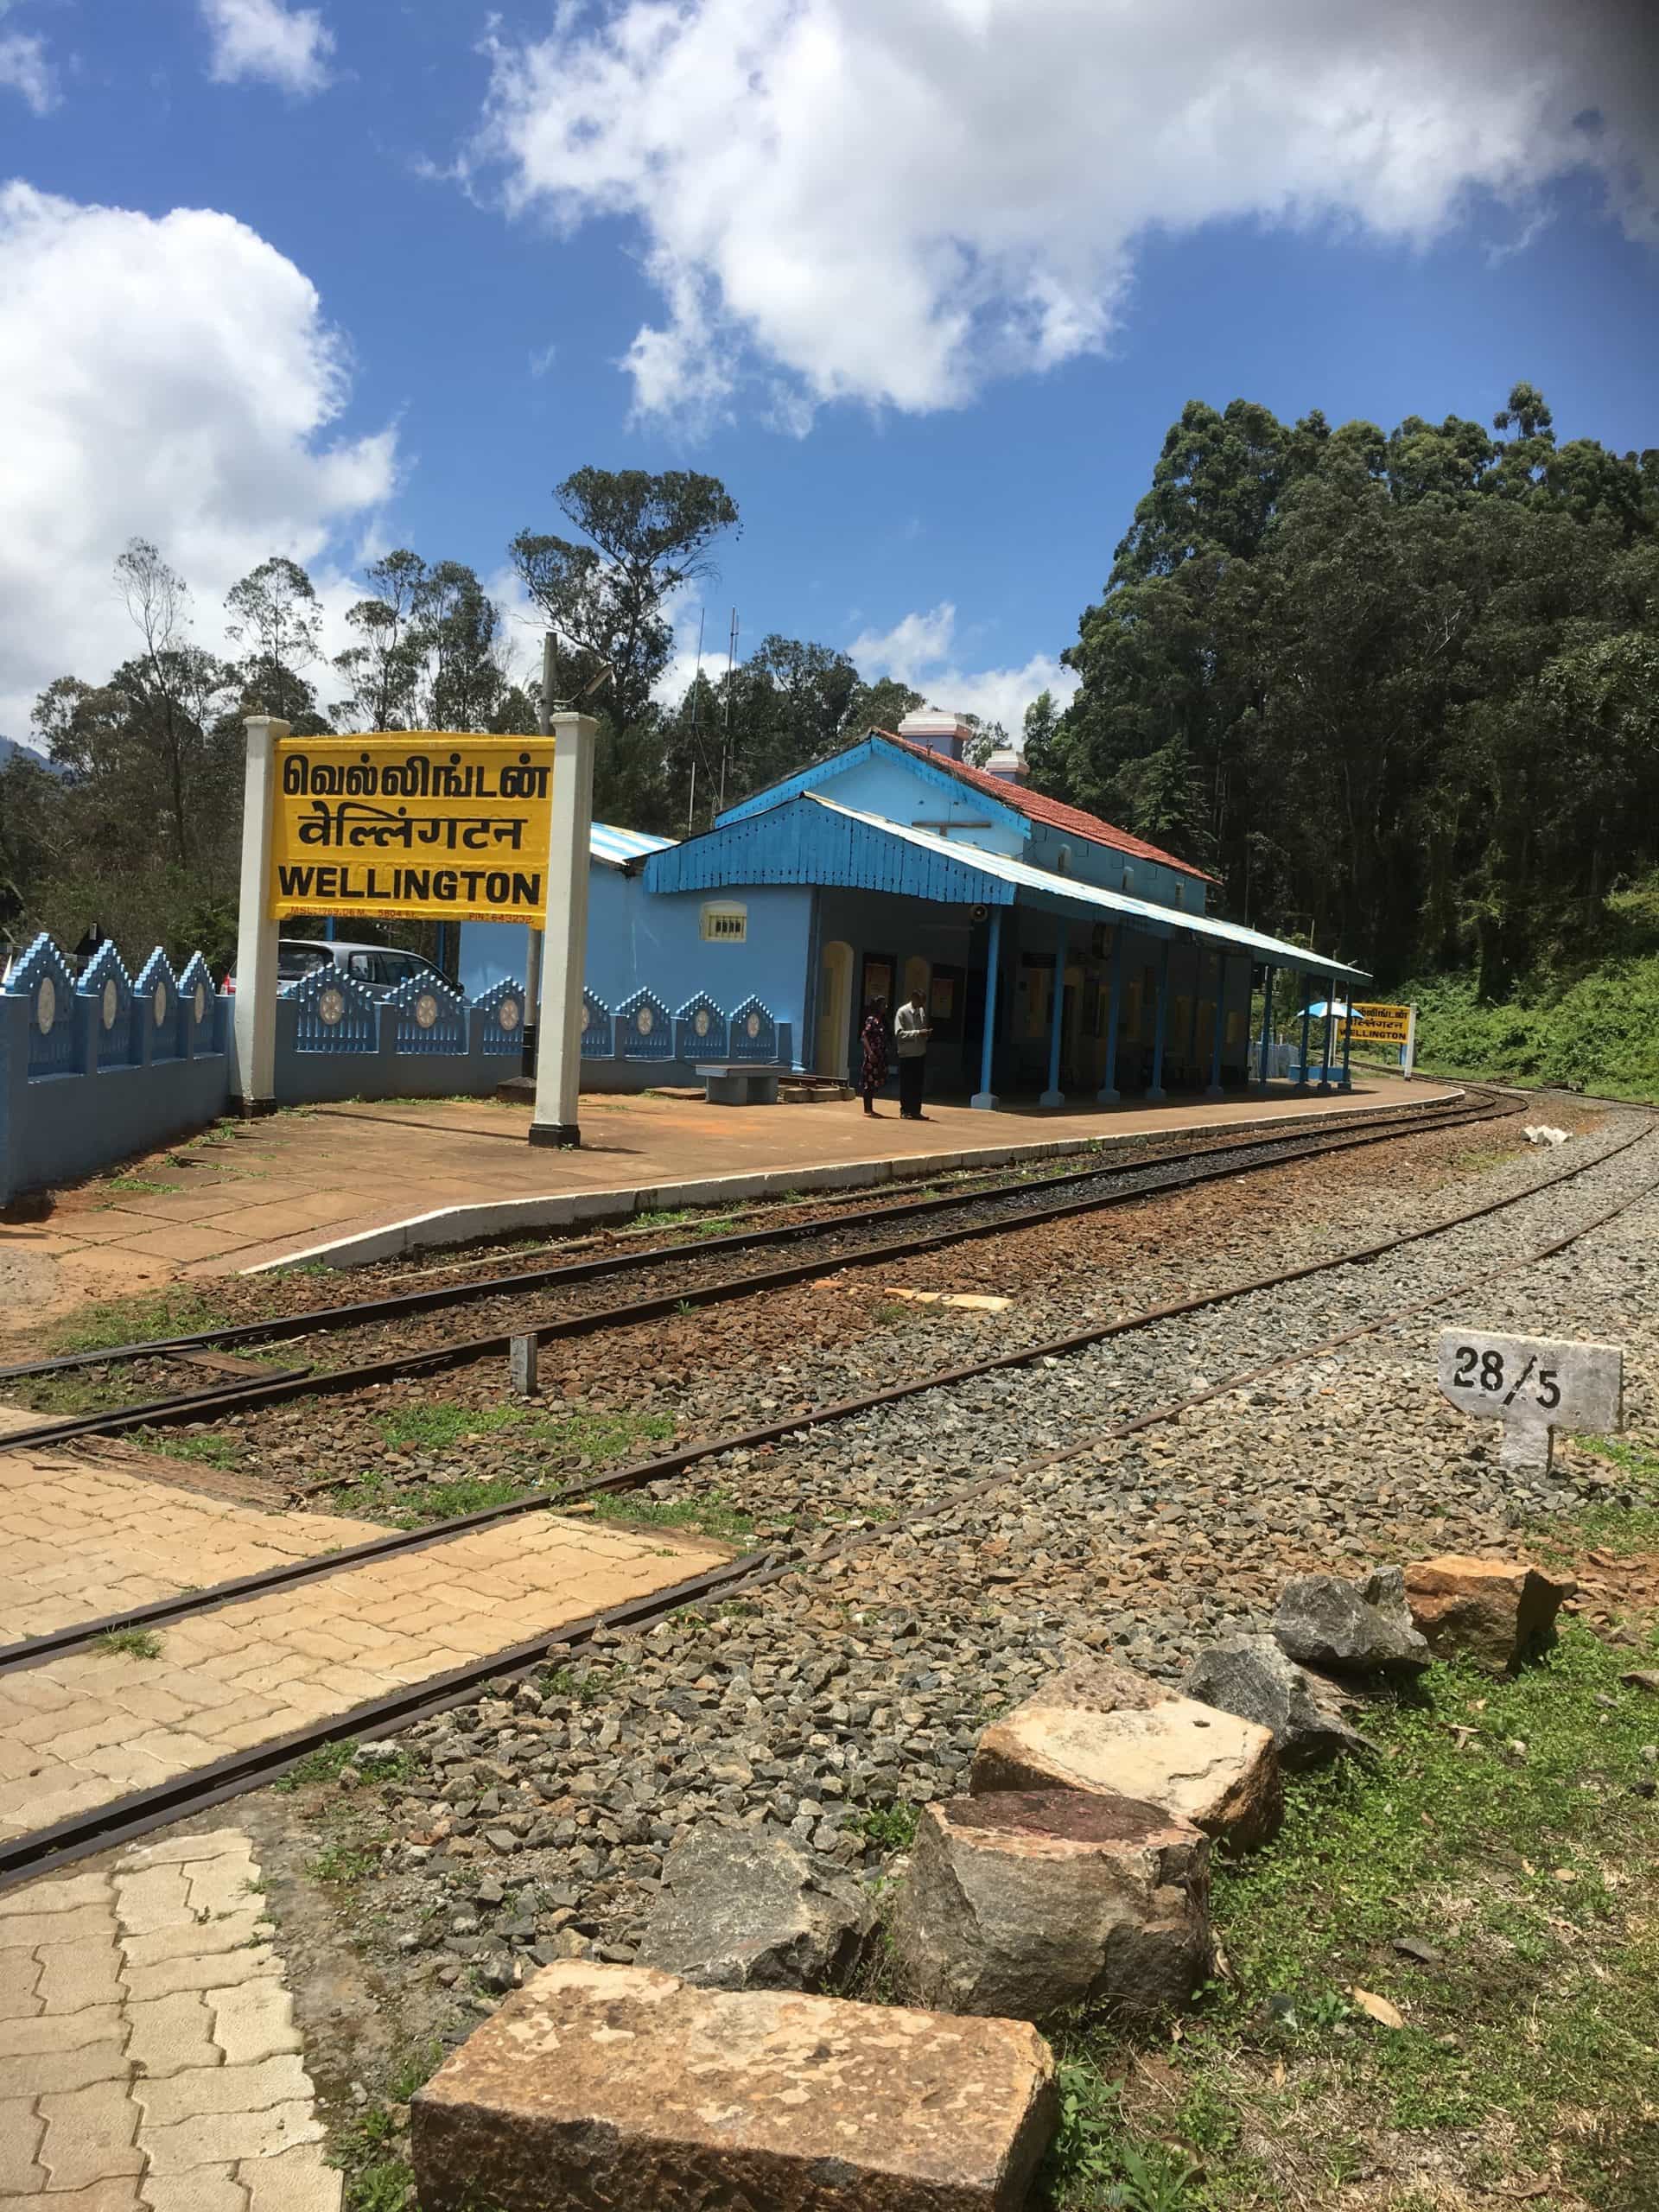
(809, 840)
(619, 847)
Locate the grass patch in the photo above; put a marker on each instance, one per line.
(130, 1643)
(437, 1425)
(890, 1827)
(141, 1186)
(1505, 1827)
(712, 1516)
(179, 1311)
(344, 1862)
(208, 1450)
(329, 1761)
(433, 1501)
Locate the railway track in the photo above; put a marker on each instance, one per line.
(986, 1213)
(28, 1856)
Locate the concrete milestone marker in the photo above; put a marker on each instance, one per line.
(1533, 1385)
(617, 2088)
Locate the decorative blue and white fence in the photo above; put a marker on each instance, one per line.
(96, 1068)
(640, 1043)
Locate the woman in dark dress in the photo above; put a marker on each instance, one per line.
(873, 1072)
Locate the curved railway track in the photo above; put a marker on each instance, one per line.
(28, 1856)
(986, 1213)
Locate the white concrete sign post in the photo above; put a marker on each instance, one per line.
(255, 1022)
(564, 943)
(1533, 1385)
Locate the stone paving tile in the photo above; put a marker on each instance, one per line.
(125, 2099)
(80, 1542)
(87, 1728)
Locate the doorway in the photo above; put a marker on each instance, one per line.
(834, 1010)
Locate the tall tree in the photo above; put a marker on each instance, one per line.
(648, 538)
(273, 614)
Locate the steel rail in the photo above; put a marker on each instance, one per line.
(236, 1397)
(44, 1850)
(640, 1473)
(1431, 1113)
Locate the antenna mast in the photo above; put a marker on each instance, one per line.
(696, 718)
(726, 733)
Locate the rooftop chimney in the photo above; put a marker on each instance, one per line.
(946, 734)
(1009, 764)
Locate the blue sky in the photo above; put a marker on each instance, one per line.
(927, 280)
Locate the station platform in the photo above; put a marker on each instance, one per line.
(358, 1182)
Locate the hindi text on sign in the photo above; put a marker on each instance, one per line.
(414, 824)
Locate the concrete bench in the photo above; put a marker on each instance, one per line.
(733, 1082)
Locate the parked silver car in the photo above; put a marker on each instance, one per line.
(378, 968)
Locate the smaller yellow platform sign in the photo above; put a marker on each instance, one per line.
(1375, 1022)
(412, 825)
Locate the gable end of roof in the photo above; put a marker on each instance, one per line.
(1053, 813)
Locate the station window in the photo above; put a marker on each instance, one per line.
(725, 924)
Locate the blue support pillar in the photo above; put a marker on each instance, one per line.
(1107, 1095)
(1055, 1096)
(1266, 1027)
(1155, 1088)
(1215, 1089)
(1307, 1016)
(1192, 1025)
(985, 1097)
(1329, 1032)
(1347, 1042)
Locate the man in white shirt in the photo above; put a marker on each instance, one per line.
(911, 1031)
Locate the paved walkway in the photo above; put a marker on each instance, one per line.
(78, 1731)
(80, 1540)
(254, 1193)
(148, 2059)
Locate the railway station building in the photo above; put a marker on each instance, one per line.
(1060, 957)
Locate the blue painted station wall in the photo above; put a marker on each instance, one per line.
(639, 940)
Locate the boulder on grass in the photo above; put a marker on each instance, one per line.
(1104, 1728)
(1346, 1629)
(1305, 1710)
(745, 1909)
(1022, 1903)
(618, 2088)
(1500, 1613)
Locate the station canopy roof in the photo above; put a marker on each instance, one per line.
(809, 839)
(619, 847)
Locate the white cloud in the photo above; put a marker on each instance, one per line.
(265, 39)
(24, 67)
(171, 377)
(896, 200)
(921, 651)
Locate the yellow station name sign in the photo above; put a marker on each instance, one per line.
(1375, 1022)
(412, 825)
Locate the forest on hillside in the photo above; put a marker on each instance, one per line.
(1399, 691)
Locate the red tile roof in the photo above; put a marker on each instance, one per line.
(1036, 807)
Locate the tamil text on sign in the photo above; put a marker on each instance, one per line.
(414, 824)
(1373, 1023)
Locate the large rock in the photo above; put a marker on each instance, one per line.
(1349, 1629)
(1101, 1727)
(1305, 1710)
(1501, 1612)
(745, 1909)
(616, 2088)
(1023, 1903)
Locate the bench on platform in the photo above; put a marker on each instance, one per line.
(738, 1082)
